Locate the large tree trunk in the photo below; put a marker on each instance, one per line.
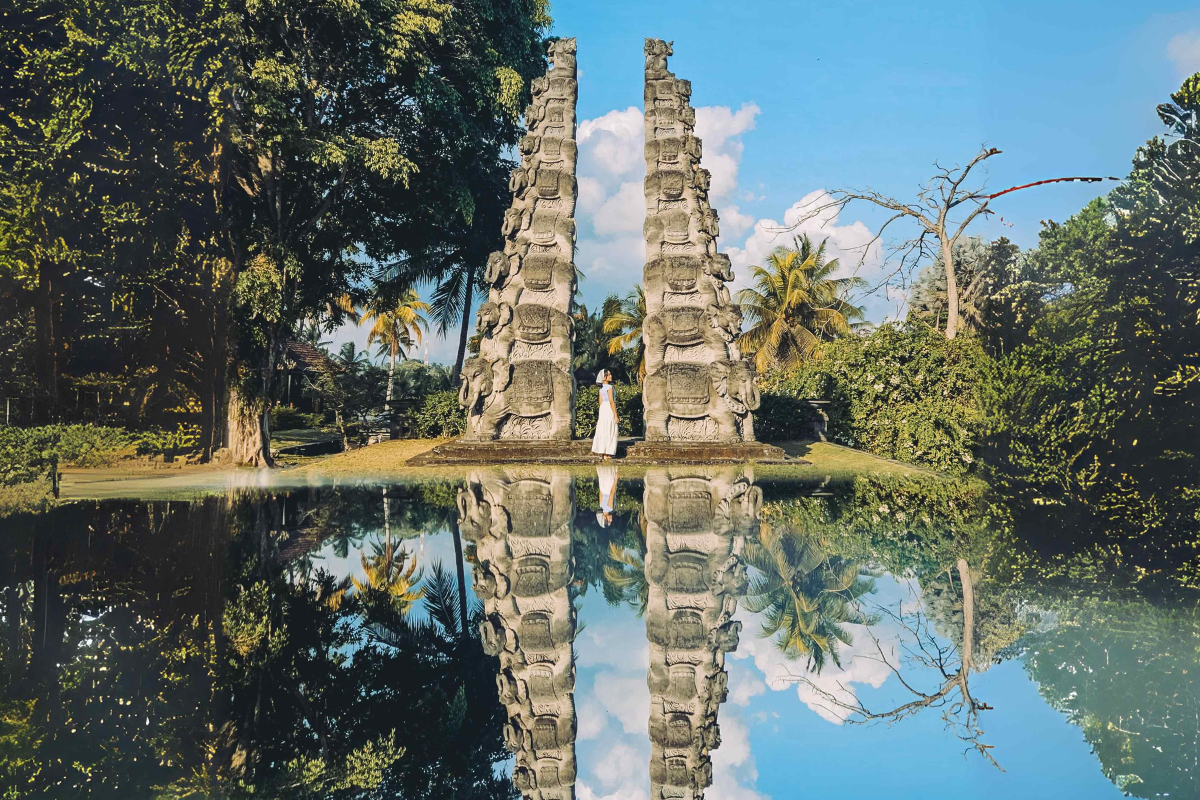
(45, 318)
(951, 290)
(247, 434)
(466, 325)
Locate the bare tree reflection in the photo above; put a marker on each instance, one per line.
(918, 650)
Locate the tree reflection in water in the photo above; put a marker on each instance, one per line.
(220, 647)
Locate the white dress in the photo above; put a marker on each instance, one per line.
(605, 440)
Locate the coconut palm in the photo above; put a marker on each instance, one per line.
(623, 320)
(795, 305)
(395, 326)
(386, 576)
(805, 595)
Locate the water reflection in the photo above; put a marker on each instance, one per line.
(321, 642)
(696, 525)
(520, 521)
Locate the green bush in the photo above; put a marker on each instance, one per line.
(287, 418)
(439, 416)
(904, 392)
(27, 454)
(783, 418)
(184, 439)
(629, 409)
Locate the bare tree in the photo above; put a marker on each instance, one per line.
(919, 647)
(945, 206)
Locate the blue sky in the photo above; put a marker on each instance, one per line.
(798, 97)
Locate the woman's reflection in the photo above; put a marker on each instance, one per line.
(606, 477)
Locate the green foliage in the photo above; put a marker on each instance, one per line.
(796, 304)
(629, 410)
(783, 417)
(28, 454)
(903, 392)
(287, 418)
(440, 416)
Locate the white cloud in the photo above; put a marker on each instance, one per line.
(1184, 52)
(623, 212)
(720, 129)
(852, 244)
(611, 207)
(734, 771)
(861, 665)
(626, 698)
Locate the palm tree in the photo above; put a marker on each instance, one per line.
(795, 305)
(806, 596)
(623, 321)
(386, 575)
(394, 326)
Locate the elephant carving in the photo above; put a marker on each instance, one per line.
(725, 638)
(481, 381)
(731, 579)
(493, 393)
(551, 277)
(525, 331)
(687, 280)
(516, 219)
(723, 391)
(690, 326)
(476, 516)
(492, 635)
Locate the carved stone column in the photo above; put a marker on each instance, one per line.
(521, 385)
(520, 520)
(697, 522)
(698, 388)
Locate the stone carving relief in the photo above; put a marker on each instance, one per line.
(698, 520)
(521, 386)
(698, 387)
(520, 521)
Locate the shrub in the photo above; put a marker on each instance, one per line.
(27, 454)
(629, 409)
(439, 416)
(783, 417)
(287, 418)
(904, 392)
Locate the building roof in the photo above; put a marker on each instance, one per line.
(306, 358)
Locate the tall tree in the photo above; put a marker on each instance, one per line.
(796, 304)
(396, 326)
(623, 320)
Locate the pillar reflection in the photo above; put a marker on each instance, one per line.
(520, 521)
(697, 523)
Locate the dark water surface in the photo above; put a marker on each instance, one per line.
(534, 632)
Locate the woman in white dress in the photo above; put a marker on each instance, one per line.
(606, 477)
(604, 443)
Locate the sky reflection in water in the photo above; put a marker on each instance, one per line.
(1076, 696)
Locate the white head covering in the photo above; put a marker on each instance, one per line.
(600, 517)
(600, 376)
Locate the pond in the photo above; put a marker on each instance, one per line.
(556, 633)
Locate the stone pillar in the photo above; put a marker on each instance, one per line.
(521, 385)
(520, 520)
(697, 388)
(697, 523)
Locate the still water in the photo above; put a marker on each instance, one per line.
(552, 633)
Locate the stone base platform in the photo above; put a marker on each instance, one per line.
(579, 451)
(509, 451)
(706, 453)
